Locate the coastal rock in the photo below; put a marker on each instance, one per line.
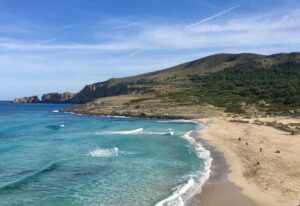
(57, 97)
(31, 99)
(98, 90)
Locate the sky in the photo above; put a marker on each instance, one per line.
(62, 45)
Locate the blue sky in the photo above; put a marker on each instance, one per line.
(61, 45)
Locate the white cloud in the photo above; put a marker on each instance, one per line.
(137, 47)
(251, 31)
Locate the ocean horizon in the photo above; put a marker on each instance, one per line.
(53, 158)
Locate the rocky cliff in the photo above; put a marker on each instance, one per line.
(87, 94)
(57, 97)
(32, 99)
(98, 90)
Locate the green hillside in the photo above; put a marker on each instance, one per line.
(272, 88)
(238, 83)
(211, 64)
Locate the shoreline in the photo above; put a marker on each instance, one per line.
(201, 148)
(194, 185)
(214, 178)
(218, 184)
(260, 176)
(230, 167)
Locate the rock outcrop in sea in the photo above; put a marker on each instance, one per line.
(47, 98)
(31, 99)
(87, 94)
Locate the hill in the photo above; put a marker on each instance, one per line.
(238, 83)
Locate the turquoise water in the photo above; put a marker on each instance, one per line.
(51, 158)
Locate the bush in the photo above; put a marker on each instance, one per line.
(234, 108)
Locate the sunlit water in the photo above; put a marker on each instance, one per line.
(51, 158)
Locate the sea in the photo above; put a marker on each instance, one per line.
(50, 158)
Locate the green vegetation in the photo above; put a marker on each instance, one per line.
(274, 88)
(134, 101)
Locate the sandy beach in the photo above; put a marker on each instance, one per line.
(263, 163)
(218, 190)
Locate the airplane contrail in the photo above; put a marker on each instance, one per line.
(221, 13)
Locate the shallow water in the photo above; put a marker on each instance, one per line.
(51, 158)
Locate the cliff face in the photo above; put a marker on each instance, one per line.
(98, 90)
(32, 99)
(47, 98)
(87, 94)
(57, 97)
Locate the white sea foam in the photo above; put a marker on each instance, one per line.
(115, 116)
(135, 131)
(55, 111)
(161, 133)
(101, 152)
(62, 125)
(176, 198)
(177, 121)
(193, 186)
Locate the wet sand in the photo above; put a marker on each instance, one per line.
(218, 190)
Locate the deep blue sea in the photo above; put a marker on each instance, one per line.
(49, 158)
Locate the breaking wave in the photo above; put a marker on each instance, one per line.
(101, 152)
(135, 131)
(177, 121)
(161, 133)
(194, 184)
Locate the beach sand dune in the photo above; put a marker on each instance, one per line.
(263, 161)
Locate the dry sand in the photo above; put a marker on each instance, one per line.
(218, 190)
(266, 177)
